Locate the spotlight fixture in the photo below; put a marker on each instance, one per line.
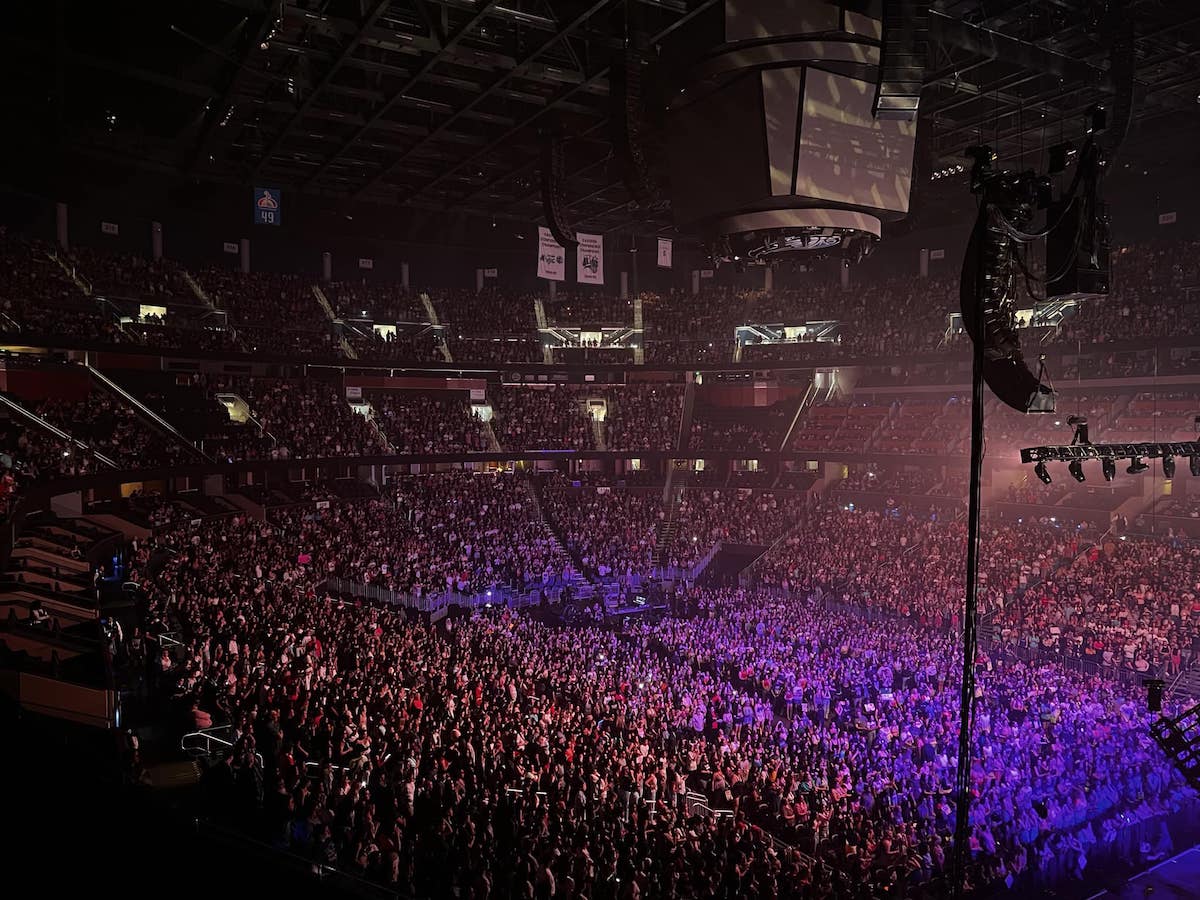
(1136, 466)
(1076, 470)
(1040, 471)
(1110, 468)
(1168, 467)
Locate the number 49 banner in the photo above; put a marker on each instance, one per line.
(268, 206)
(589, 258)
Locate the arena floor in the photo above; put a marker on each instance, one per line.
(1177, 877)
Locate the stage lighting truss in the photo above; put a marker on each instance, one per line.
(1137, 454)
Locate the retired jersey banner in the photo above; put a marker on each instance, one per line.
(664, 253)
(589, 259)
(268, 209)
(551, 257)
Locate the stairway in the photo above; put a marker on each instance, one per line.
(492, 441)
(555, 536)
(598, 434)
(685, 418)
(198, 290)
(639, 351)
(1187, 683)
(430, 312)
(665, 532)
(373, 422)
(343, 343)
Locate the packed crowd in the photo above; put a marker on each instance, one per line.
(708, 517)
(380, 301)
(541, 418)
(880, 314)
(293, 419)
(494, 755)
(1133, 604)
(452, 531)
(643, 416)
(610, 531)
(111, 427)
(420, 423)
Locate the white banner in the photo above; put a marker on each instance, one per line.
(1167, 218)
(109, 228)
(231, 247)
(353, 392)
(589, 259)
(491, 273)
(937, 254)
(366, 263)
(551, 258)
(664, 253)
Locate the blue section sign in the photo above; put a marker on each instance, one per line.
(268, 208)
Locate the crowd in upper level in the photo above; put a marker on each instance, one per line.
(1152, 298)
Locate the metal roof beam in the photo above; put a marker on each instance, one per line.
(493, 88)
(347, 52)
(433, 60)
(562, 97)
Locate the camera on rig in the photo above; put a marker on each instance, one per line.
(1017, 194)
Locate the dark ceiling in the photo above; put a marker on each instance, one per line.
(436, 105)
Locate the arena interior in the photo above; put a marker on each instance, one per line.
(619, 449)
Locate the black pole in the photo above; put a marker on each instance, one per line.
(962, 782)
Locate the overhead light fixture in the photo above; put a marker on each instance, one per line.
(1136, 466)
(1076, 470)
(1168, 467)
(1109, 466)
(1040, 471)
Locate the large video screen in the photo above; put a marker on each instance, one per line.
(846, 155)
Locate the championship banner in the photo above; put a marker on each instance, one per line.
(664, 253)
(268, 209)
(110, 228)
(706, 273)
(491, 273)
(589, 259)
(937, 254)
(551, 257)
(366, 263)
(1167, 218)
(231, 247)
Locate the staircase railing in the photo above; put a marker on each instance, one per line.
(55, 430)
(809, 398)
(430, 312)
(685, 417)
(142, 408)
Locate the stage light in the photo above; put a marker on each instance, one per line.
(1136, 466)
(1110, 469)
(1168, 467)
(1040, 471)
(1076, 470)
